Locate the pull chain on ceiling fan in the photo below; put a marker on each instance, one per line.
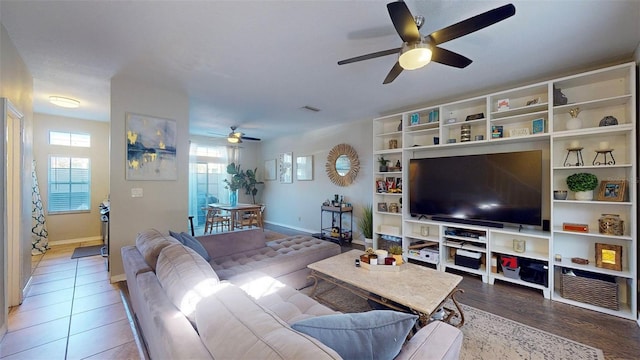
(417, 51)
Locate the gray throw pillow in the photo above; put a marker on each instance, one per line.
(176, 236)
(377, 334)
(193, 243)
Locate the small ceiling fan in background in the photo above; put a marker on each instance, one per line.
(417, 51)
(236, 137)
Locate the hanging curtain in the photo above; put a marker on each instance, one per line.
(193, 183)
(39, 234)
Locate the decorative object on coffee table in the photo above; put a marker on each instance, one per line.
(396, 252)
(609, 256)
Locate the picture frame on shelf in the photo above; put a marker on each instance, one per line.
(609, 256)
(477, 116)
(537, 126)
(496, 131)
(381, 186)
(399, 185)
(503, 104)
(415, 118)
(612, 190)
(533, 101)
(434, 116)
(382, 207)
(391, 184)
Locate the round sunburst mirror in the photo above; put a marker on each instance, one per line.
(342, 165)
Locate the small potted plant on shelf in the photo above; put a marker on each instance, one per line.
(582, 184)
(396, 252)
(383, 164)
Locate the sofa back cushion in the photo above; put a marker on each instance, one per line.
(150, 242)
(223, 244)
(186, 278)
(233, 326)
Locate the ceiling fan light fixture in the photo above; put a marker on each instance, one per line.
(415, 55)
(64, 102)
(233, 139)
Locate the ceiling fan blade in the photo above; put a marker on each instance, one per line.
(447, 57)
(369, 56)
(472, 24)
(393, 74)
(249, 138)
(403, 21)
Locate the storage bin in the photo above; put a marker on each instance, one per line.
(467, 262)
(512, 273)
(591, 291)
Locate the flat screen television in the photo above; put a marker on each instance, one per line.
(485, 189)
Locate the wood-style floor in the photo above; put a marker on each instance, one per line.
(617, 337)
(71, 311)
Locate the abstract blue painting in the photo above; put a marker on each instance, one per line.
(151, 148)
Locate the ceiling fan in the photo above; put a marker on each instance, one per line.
(236, 137)
(417, 50)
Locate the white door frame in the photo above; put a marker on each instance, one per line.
(12, 237)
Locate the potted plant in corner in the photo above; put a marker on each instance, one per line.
(383, 164)
(396, 252)
(582, 184)
(365, 223)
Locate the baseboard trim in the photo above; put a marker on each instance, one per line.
(97, 239)
(291, 227)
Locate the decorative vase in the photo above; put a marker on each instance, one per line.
(233, 197)
(608, 121)
(398, 259)
(575, 122)
(584, 195)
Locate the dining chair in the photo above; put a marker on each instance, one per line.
(215, 218)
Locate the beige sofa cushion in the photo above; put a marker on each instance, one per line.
(233, 326)
(186, 277)
(150, 242)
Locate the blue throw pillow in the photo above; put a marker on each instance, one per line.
(377, 334)
(176, 236)
(193, 243)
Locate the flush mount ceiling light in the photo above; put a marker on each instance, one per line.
(415, 55)
(64, 102)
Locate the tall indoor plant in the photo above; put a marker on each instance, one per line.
(365, 223)
(242, 179)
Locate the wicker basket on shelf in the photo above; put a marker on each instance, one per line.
(591, 291)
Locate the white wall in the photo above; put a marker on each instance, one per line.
(164, 203)
(297, 205)
(16, 85)
(75, 226)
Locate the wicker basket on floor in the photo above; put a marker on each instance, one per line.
(591, 291)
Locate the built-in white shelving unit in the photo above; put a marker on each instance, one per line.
(530, 121)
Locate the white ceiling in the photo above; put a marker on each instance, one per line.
(256, 63)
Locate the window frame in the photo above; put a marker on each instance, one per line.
(70, 183)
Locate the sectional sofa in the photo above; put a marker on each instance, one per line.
(233, 296)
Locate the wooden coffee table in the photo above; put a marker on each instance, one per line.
(416, 289)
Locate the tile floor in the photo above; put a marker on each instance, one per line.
(70, 312)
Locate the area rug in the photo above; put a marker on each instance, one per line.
(85, 251)
(488, 336)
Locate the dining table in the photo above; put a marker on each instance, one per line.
(236, 211)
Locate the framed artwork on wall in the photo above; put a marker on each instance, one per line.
(285, 167)
(270, 169)
(304, 168)
(151, 148)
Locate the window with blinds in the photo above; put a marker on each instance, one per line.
(69, 184)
